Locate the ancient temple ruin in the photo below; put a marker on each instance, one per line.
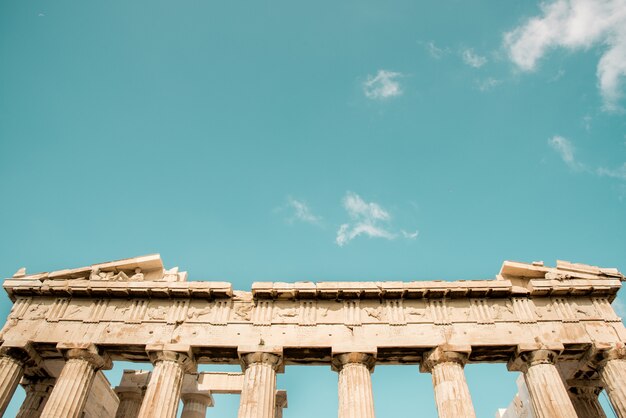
(554, 324)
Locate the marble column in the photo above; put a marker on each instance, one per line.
(70, 392)
(130, 403)
(612, 370)
(259, 385)
(548, 395)
(355, 384)
(452, 395)
(15, 357)
(281, 403)
(163, 392)
(585, 401)
(37, 393)
(196, 404)
(130, 392)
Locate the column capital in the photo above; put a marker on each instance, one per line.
(204, 398)
(178, 353)
(281, 398)
(525, 358)
(458, 354)
(274, 359)
(340, 360)
(87, 352)
(601, 353)
(22, 352)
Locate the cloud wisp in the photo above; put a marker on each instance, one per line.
(366, 219)
(575, 25)
(435, 51)
(616, 173)
(565, 149)
(473, 59)
(384, 85)
(301, 212)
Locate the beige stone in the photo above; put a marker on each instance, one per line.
(356, 399)
(548, 395)
(452, 395)
(258, 394)
(163, 392)
(138, 310)
(72, 387)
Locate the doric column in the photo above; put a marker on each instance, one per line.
(37, 393)
(281, 403)
(196, 404)
(259, 385)
(548, 395)
(355, 384)
(130, 392)
(163, 392)
(14, 358)
(612, 370)
(452, 395)
(585, 401)
(70, 392)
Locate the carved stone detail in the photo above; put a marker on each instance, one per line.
(524, 310)
(352, 312)
(262, 313)
(58, 309)
(439, 311)
(308, 311)
(221, 313)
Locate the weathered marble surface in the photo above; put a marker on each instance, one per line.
(137, 310)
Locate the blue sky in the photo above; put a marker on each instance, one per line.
(315, 141)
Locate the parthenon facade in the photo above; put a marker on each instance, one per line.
(556, 325)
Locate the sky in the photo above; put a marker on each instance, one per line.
(283, 141)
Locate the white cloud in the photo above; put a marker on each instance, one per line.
(576, 24)
(472, 59)
(435, 51)
(618, 173)
(410, 235)
(565, 149)
(302, 212)
(488, 84)
(383, 85)
(367, 219)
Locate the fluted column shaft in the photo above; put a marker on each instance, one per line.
(586, 403)
(72, 387)
(11, 372)
(195, 405)
(356, 399)
(452, 395)
(130, 404)
(70, 392)
(613, 376)
(547, 392)
(259, 385)
(37, 394)
(163, 391)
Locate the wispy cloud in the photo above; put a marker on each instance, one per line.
(383, 85)
(617, 173)
(487, 84)
(435, 51)
(473, 59)
(410, 235)
(300, 211)
(367, 219)
(576, 24)
(565, 149)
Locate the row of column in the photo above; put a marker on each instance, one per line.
(67, 395)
